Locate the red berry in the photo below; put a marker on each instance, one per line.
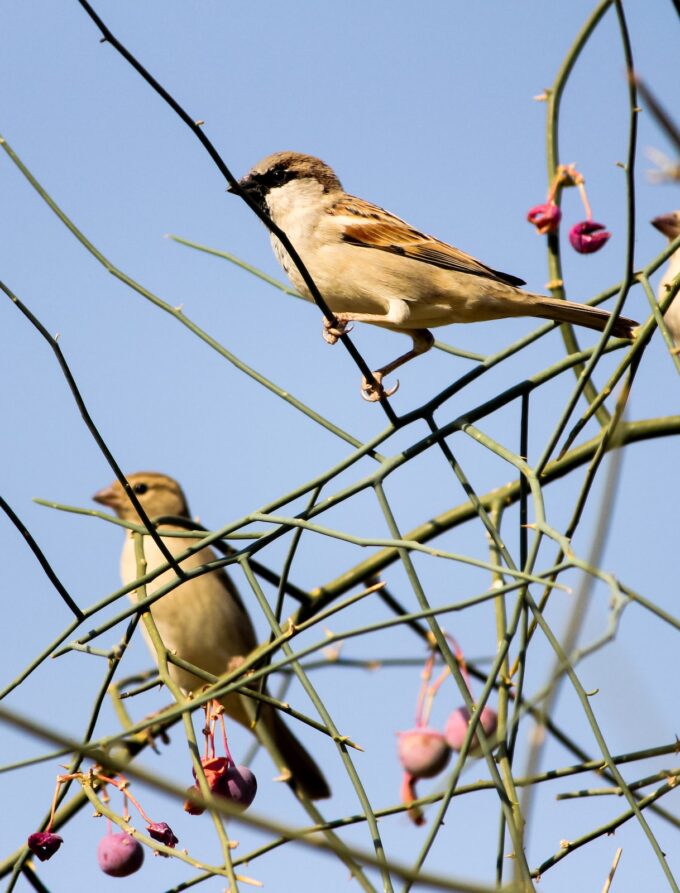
(189, 806)
(423, 752)
(457, 726)
(119, 854)
(546, 218)
(214, 768)
(408, 795)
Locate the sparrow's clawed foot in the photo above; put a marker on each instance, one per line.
(373, 394)
(333, 331)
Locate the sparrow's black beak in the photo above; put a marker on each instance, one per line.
(251, 187)
(246, 184)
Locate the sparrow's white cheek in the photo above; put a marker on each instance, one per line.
(296, 205)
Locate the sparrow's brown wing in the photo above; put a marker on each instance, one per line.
(376, 228)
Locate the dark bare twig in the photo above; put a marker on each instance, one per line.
(42, 560)
(33, 879)
(99, 440)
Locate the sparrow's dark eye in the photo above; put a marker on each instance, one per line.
(140, 489)
(277, 176)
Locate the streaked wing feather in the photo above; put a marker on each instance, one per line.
(377, 228)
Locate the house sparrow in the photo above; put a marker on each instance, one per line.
(204, 620)
(669, 225)
(370, 266)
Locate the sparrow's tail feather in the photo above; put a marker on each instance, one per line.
(308, 779)
(581, 315)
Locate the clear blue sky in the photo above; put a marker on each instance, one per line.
(426, 109)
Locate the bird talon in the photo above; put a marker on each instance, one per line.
(332, 332)
(373, 394)
(369, 394)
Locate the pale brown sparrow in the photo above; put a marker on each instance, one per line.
(370, 266)
(204, 620)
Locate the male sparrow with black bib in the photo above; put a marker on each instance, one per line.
(371, 266)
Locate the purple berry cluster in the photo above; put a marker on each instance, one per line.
(424, 751)
(586, 236)
(120, 853)
(237, 784)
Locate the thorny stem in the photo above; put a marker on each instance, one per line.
(554, 98)
(511, 627)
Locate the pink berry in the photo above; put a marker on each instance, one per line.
(546, 218)
(457, 726)
(587, 236)
(238, 785)
(423, 752)
(119, 855)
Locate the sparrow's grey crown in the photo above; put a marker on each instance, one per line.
(280, 168)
